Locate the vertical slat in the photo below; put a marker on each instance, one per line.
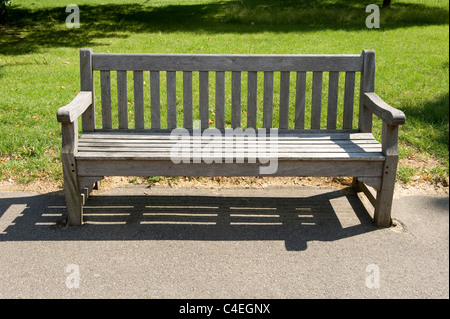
(333, 89)
(251, 99)
(105, 83)
(187, 99)
(138, 78)
(316, 101)
(367, 85)
(268, 99)
(155, 99)
(122, 99)
(300, 93)
(171, 99)
(220, 100)
(235, 99)
(204, 99)
(87, 84)
(284, 100)
(349, 96)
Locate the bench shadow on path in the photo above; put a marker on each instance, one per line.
(329, 216)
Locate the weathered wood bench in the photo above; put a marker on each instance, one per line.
(323, 145)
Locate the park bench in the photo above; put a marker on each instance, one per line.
(303, 124)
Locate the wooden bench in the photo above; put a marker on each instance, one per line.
(316, 132)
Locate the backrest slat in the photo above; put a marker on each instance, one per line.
(268, 99)
(138, 78)
(252, 91)
(306, 101)
(187, 99)
(284, 100)
(105, 79)
(220, 100)
(171, 99)
(235, 99)
(300, 94)
(316, 100)
(333, 88)
(122, 99)
(204, 99)
(155, 100)
(349, 96)
(226, 62)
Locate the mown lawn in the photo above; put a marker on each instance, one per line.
(39, 61)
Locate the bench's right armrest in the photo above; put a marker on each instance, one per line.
(70, 112)
(383, 110)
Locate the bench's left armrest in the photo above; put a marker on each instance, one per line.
(70, 112)
(387, 113)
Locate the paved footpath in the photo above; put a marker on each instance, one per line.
(223, 243)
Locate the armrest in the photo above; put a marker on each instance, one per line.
(70, 112)
(383, 110)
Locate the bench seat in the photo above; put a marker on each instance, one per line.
(308, 154)
(154, 146)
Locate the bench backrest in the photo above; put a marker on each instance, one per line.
(159, 91)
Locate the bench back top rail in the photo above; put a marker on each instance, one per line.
(165, 91)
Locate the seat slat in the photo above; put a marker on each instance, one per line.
(279, 156)
(165, 136)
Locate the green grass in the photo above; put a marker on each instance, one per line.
(39, 67)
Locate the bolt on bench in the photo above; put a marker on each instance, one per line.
(309, 137)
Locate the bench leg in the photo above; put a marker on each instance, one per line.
(385, 195)
(74, 204)
(74, 200)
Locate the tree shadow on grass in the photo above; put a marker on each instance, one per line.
(433, 114)
(30, 29)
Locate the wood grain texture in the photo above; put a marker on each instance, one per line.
(87, 84)
(155, 100)
(239, 63)
(105, 83)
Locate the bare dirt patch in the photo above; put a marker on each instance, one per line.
(46, 186)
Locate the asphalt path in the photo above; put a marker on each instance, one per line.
(278, 243)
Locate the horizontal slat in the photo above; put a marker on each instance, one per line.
(209, 62)
(159, 143)
(223, 156)
(144, 167)
(224, 147)
(228, 133)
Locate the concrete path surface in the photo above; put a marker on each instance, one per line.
(278, 243)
